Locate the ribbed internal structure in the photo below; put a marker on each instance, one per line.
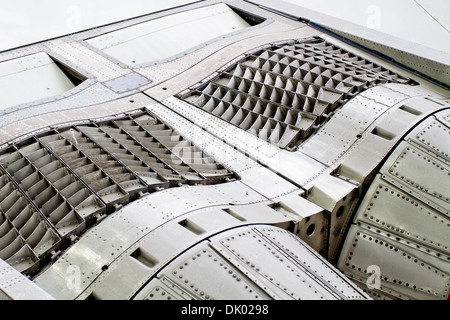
(55, 186)
(285, 92)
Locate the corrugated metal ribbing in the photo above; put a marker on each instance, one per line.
(57, 185)
(285, 92)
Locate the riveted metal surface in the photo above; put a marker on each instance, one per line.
(206, 275)
(444, 116)
(38, 73)
(14, 285)
(336, 284)
(393, 209)
(431, 135)
(387, 254)
(284, 284)
(172, 35)
(168, 240)
(103, 244)
(334, 138)
(81, 56)
(302, 265)
(140, 262)
(381, 136)
(128, 82)
(418, 172)
(72, 176)
(66, 228)
(249, 170)
(163, 289)
(281, 161)
(403, 220)
(374, 140)
(215, 269)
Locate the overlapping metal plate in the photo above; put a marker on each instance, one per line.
(404, 221)
(164, 38)
(224, 268)
(271, 108)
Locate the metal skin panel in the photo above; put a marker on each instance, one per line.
(38, 73)
(444, 116)
(126, 274)
(163, 289)
(171, 35)
(64, 19)
(16, 286)
(418, 172)
(422, 180)
(127, 82)
(430, 136)
(234, 197)
(161, 234)
(90, 255)
(283, 162)
(392, 209)
(386, 256)
(403, 220)
(235, 269)
(380, 137)
(332, 140)
(165, 242)
(203, 266)
(335, 284)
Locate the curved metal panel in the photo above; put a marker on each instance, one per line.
(403, 221)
